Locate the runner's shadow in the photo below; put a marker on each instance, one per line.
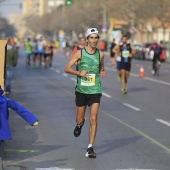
(111, 145)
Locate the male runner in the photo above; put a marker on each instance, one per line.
(126, 52)
(40, 51)
(88, 90)
(48, 50)
(34, 52)
(28, 50)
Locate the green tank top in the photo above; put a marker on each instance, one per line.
(90, 83)
(28, 47)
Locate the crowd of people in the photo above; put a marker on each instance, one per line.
(39, 50)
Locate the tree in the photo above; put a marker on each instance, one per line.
(83, 14)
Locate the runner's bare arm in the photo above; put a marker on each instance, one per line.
(102, 72)
(133, 49)
(69, 67)
(116, 50)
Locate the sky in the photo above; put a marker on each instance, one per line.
(10, 7)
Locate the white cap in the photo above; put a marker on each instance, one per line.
(91, 31)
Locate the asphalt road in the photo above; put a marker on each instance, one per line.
(133, 129)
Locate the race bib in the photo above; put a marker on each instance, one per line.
(88, 80)
(125, 54)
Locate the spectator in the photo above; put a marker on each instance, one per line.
(11, 62)
(28, 51)
(5, 104)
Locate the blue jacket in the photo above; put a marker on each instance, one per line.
(5, 104)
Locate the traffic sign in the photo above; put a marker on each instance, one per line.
(132, 30)
(104, 27)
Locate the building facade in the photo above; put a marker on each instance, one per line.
(40, 7)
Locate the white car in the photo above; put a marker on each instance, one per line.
(149, 54)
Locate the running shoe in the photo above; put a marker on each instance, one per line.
(119, 78)
(90, 153)
(124, 91)
(77, 130)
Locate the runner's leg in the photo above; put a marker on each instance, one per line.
(123, 79)
(80, 113)
(127, 73)
(93, 122)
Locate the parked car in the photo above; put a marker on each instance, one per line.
(147, 53)
(143, 52)
(139, 53)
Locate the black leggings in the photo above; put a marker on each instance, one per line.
(155, 58)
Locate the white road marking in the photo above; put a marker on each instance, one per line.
(135, 169)
(134, 75)
(53, 168)
(158, 81)
(106, 95)
(130, 106)
(163, 122)
(64, 74)
(74, 79)
(146, 78)
(137, 131)
(57, 71)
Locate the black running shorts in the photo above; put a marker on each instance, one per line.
(125, 66)
(86, 99)
(112, 55)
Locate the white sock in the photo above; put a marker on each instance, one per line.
(90, 145)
